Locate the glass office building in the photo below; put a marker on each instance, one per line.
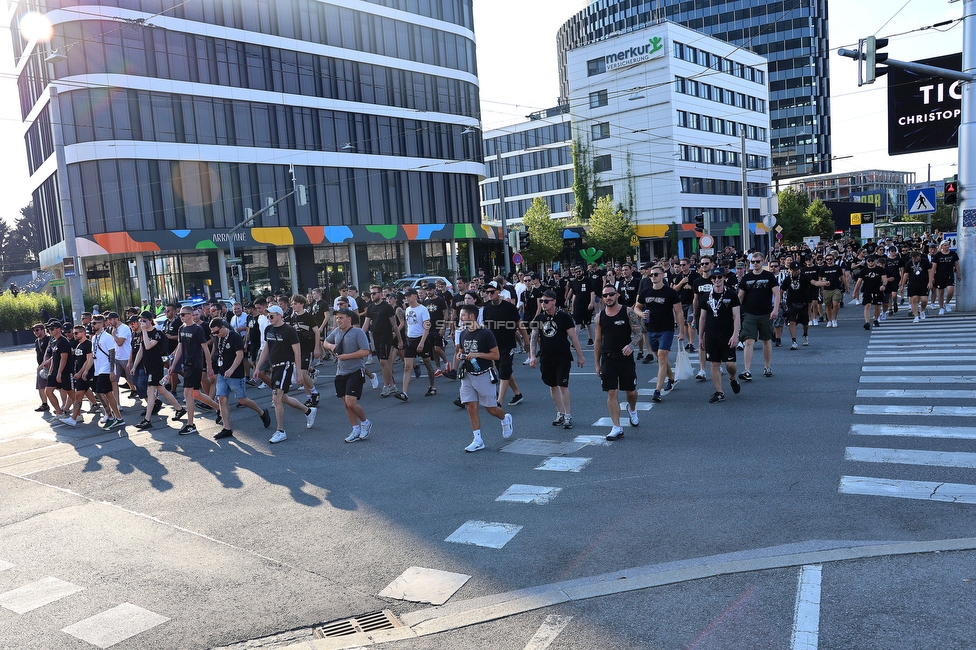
(159, 125)
(792, 36)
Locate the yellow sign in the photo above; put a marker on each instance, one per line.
(634, 241)
(855, 218)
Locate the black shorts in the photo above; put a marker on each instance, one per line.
(192, 377)
(81, 385)
(103, 384)
(797, 313)
(53, 382)
(307, 358)
(413, 349)
(917, 289)
(504, 363)
(583, 316)
(350, 385)
(718, 350)
(155, 375)
(942, 283)
(618, 372)
(555, 372)
(383, 348)
(282, 375)
(874, 298)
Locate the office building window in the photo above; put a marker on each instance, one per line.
(600, 131)
(596, 66)
(598, 99)
(602, 163)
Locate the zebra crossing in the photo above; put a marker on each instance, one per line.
(932, 357)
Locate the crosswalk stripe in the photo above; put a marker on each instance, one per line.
(907, 430)
(37, 594)
(963, 459)
(920, 409)
(115, 625)
(923, 490)
(806, 611)
(966, 368)
(902, 358)
(917, 394)
(909, 346)
(919, 379)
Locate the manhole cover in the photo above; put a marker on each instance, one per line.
(381, 620)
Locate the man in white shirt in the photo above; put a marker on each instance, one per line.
(122, 335)
(420, 342)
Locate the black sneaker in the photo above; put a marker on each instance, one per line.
(647, 359)
(204, 407)
(560, 420)
(179, 414)
(640, 355)
(877, 323)
(746, 376)
(401, 396)
(430, 392)
(656, 397)
(265, 418)
(218, 419)
(458, 403)
(42, 408)
(590, 343)
(145, 424)
(157, 408)
(717, 397)
(516, 399)
(188, 429)
(223, 433)
(736, 386)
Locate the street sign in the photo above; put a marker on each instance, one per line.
(58, 282)
(769, 221)
(706, 251)
(855, 218)
(69, 267)
(634, 241)
(232, 260)
(779, 235)
(706, 241)
(779, 229)
(921, 201)
(517, 258)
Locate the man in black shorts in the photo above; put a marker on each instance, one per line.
(59, 369)
(381, 323)
(947, 271)
(618, 335)
(82, 374)
(502, 319)
(918, 274)
(872, 284)
(191, 350)
(283, 351)
(759, 298)
(350, 345)
(306, 326)
(552, 332)
(581, 301)
(150, 358)
(718, 326)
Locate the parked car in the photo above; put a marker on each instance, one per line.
(415, 279)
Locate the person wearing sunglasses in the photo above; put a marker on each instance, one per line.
(152, 345)
(618, 335)
(759, 294)
(40, 350)
(718, 326)
(81, 374)
(553, 331)
(226, 370)
(659, 306)
(192, 346)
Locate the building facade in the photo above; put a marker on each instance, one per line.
(153, 128)
(791, 36)
(886, 191)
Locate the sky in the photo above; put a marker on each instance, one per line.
(516, 42)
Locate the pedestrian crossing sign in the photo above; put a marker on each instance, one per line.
(921, 201)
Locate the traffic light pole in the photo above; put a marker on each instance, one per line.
(966, 230)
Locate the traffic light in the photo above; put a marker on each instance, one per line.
(523, 239)
(950, 195)
(513, 240)
(237, 272)
(872, 58)
(700, 223)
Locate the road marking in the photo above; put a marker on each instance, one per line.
(484, 533)
(888, 348)
(4, 565)
(917, 394)
(899, 358)
(115, 625)
(548, 632)
(37, 594)
(537, 494)
(953, 411)
(922, 490)
(564, 464)
(967, 433)
(911, 457)
(420, 585)
(806, 612)
(533, 447)
(641, 406)
(919, 379)
(916, 368)
(593, 441)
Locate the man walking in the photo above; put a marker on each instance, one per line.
(150, 357)
(474, 355)
(553, 331)
(502, 319)
(350, 345)
(381, 323)
(618, 335)
(660, 308)
(718, 327)
(419, 343)
(191, 349)
(759, 298)
(227, 368)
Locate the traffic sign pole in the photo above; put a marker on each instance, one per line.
(966, 287)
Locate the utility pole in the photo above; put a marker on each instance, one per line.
(501, 208)
(966, 229)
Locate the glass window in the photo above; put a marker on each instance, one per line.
(600, 131)
(596, 66)
(602, 163)
(598, 98)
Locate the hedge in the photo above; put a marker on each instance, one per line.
(20, 312)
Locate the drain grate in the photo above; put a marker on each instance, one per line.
(381, 620)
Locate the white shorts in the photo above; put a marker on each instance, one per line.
(478, 388)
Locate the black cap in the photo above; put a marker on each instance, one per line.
(345, 312)
(51, 324)
(795, 266)
(148, 315)
(717, 272)
(133, 319)
(410, 292)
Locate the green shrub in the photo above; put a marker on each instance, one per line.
(19, 313)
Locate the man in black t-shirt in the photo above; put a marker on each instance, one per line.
(893, 264)
(502, 319)
(718, 326)
(759, 296)
(553, 331)
(702, 287)
(832, 274)
(474, 354)
(618, 334)
(381, 323)
(918, 275)
(283, 351)
(59, 369)
(227, 368)
(191, 350)
(82, 374)
(438, 310)
(660, 309)
(872, 284)
(947, 271)
(306, 326)
(152, 346)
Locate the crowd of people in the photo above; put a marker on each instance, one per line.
(628, 313)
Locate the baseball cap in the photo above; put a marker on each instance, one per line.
(493, 284)
(133, 319)
(275, 309)
(410, 292)
(148, 315)
(795, 265)
(717, 272)
(112, 314)
(53, 323)
(345, 312)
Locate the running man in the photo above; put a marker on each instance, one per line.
(350, 345)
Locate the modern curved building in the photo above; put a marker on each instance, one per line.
(790, 34)
(155, 126)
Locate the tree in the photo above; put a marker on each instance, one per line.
(22, 247)
(792, 216)
(610, 230)
(944, 218)
(545, 235)
(5, 233)
(584, 180)
(821, 220)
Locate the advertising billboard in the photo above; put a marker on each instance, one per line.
(924, 111)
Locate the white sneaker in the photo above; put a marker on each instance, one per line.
(948, 309)
(369, 362)
(916, 320)
(634, 419)
(310, 417)
(815, 322)
(922, 315)
(476, 445)
(507, 426)
(364, 429)
(278, 437)
(70, 421)
(884, 316)
(700, 376)
(263, 385)
(835, 323)
(375, 381)
(103, 419)
(615, 432)
(942, 312)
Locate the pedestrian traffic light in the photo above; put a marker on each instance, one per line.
(872, 58)
(237, 272)
(950, 194)
(523, 239)
(700, 223)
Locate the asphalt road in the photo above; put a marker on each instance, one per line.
(696, 530)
